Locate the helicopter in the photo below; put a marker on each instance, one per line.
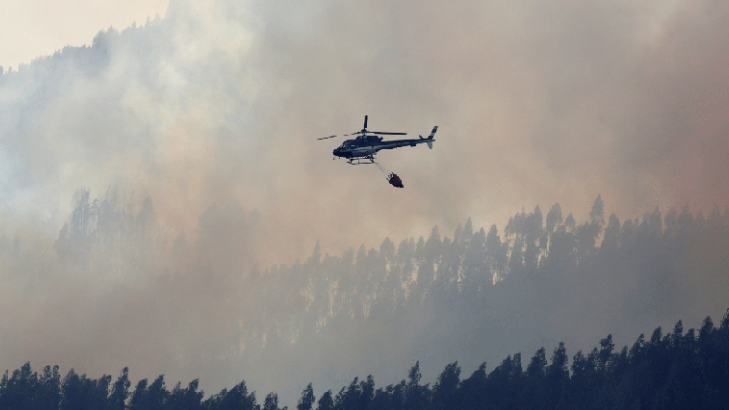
(363, 148)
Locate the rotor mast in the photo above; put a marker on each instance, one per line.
(363, 132)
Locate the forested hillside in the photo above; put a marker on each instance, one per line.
(475, 296)
(681, 370)
(480, 295)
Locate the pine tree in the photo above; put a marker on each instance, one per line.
(325, 401)
(119, 391)
(307, 400)
(445, 390)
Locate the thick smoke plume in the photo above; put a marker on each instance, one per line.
(222, 102)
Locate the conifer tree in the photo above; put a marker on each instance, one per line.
(119, 391)
(325, 401)
(307, 400)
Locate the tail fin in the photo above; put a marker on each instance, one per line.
(432, 133)
(430, 137)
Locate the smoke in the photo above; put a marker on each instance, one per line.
(206, 122)
(223, 102)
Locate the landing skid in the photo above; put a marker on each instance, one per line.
(362, 160)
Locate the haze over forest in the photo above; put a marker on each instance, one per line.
(164, 203)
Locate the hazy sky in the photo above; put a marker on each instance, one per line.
(36, 28)
(221, 102)
(537, 103)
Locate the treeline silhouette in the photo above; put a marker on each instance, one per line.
(28, 390)
(681, 370)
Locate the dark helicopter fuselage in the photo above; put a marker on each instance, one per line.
(368, 145)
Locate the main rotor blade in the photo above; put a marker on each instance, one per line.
(365, 127)
(326, 138)
(387, 133)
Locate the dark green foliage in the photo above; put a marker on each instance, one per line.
(185, 399)
(445, 391)
(307, 400)
(139, 397)
(537, 366)
(119, 391)
(416, 396)
(149, 397)
(325, 401)
(472, 392)
(236, 399)
(48, 391)
(83, 393)
(156, 395)
(17, 391)
(357, 396)
(679, 370)
(271, 402)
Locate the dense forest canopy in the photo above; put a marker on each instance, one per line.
(676, 371)
(479, 295)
